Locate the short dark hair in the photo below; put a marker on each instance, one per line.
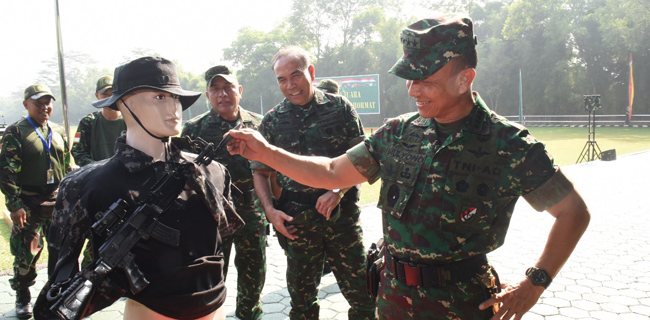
(295, 51)
(466, 61)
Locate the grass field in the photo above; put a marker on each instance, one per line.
(564, 144)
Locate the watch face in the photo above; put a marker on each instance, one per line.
(538, 276)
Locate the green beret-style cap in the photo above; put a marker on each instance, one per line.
(430, 43)
(328, 85)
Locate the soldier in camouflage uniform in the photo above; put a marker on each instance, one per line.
(34, 158)
(224, 93)
(451, 175)
(185, 279)
(98, 130)
(311, 122)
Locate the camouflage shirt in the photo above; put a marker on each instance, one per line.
(327, 126)
(185, 280)
(24, 161)
(211, 127)
(451, 199)
(97, 137)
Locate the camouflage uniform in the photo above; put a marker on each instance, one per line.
(250, 241)
(325, 127)
(23, 180)
(97, 137)
(448, 199)
(186, 281)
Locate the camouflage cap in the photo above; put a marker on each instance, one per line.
(220, 71)
(104, 83)
(430, 43)
(328, 85)
(38, 90)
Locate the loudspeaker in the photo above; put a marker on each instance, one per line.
(608, 155)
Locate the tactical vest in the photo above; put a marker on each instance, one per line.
(453, 186)
(318, 131)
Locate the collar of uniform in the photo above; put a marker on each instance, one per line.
(423, 122)
(478, 120)
(245, 116)
(319, 99)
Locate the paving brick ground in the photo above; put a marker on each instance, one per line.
(606, 278)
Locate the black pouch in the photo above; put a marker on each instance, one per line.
(375, 266)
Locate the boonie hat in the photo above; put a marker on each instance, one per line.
(220, 71)
(430, 43)
(147, 73)
(104, 83)
(328, 85)
(36, 91)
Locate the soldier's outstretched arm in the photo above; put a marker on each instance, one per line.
(314, 171)
(571, 220)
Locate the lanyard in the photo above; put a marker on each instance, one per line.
(46, 144)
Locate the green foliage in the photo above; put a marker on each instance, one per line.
(564, 49)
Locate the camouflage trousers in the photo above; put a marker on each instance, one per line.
(250, 261)
(457, 301)
(26, 243)
(341, 241)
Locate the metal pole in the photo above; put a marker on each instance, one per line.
(261, 105)
(64, 96)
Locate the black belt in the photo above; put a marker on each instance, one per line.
(248, 196)
(310, 198)
(436, 276)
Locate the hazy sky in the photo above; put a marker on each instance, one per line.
(193, 32)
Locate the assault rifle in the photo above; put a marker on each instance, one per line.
(71, 299)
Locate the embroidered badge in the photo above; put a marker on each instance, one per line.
(468, 214)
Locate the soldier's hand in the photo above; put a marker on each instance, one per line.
(19, 218)
(248, 143)
(516, 299)
(277, 218)
(327, 203)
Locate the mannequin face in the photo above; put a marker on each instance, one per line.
(159, 111)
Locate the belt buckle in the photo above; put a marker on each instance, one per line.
(412, 275)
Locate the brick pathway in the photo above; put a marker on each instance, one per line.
(606, 278)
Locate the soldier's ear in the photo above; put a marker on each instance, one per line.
(465, 80)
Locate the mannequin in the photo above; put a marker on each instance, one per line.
(185, 277)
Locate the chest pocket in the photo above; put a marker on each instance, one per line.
(472, 189)
(287, 130)
(400, 170)
(397, 185)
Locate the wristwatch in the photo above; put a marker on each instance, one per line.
(339, 192)
(539, 277)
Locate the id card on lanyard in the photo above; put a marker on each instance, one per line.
(47, 145)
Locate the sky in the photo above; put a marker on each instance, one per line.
(192, 32)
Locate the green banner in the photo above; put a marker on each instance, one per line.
(362, 91)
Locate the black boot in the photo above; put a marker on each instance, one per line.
(23, 304)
